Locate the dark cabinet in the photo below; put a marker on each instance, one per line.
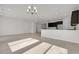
(54, 24)
(75, 18)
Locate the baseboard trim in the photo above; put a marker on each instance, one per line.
(15, 34)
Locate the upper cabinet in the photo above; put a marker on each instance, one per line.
(55, 24)
(75, 18)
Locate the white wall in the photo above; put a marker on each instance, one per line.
(77, 27)
(15, 26)
(60, 27)
(38, 27)
(67, 21)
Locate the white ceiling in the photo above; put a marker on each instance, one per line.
(46, 12)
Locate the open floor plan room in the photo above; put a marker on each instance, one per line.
(39, 28)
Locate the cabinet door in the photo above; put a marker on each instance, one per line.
(74, 18)
(78, 16)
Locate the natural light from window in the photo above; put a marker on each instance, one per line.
(17, 45)
(41, 48)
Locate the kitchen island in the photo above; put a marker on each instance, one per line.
(66, 35)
